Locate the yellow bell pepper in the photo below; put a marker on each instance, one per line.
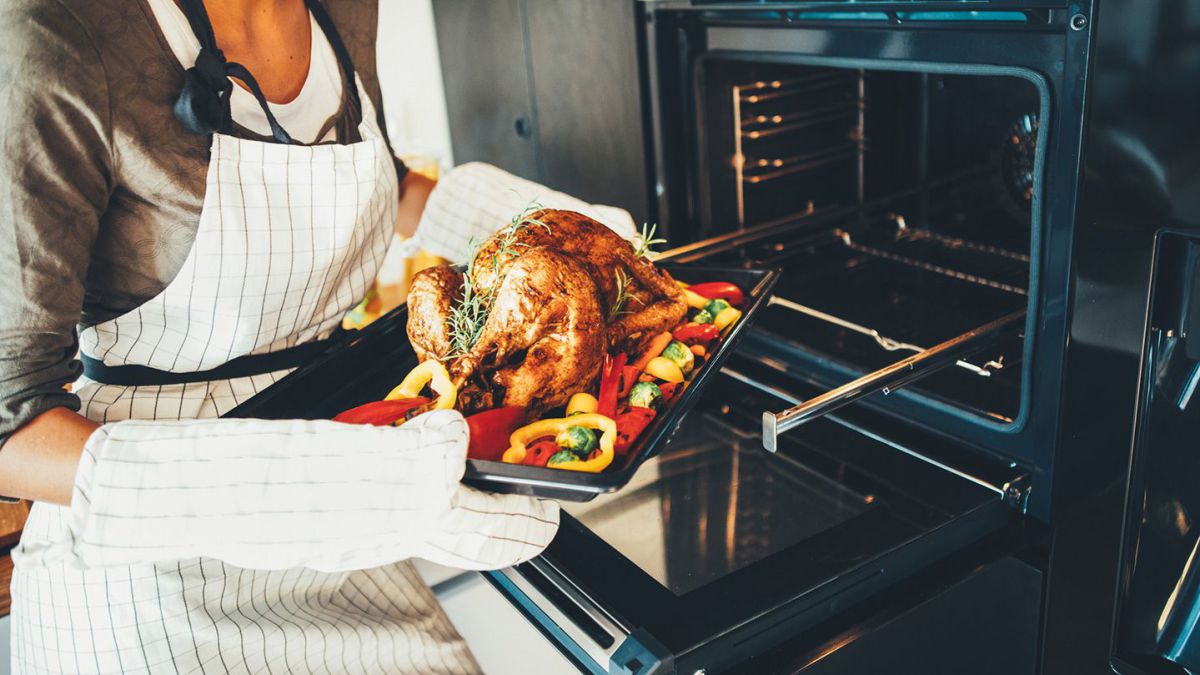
(726, 318)
(664, 369)
(582, 402)
(694, 299)
(551, 427)
(434, 374)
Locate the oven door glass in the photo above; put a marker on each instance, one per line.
(718, 547)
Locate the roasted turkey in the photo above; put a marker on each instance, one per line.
(545, 299)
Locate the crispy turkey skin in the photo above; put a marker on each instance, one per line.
(561, 291)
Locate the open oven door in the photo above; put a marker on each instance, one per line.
(719, 550)
(1158, 618)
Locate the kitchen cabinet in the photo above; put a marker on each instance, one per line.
(517, 97)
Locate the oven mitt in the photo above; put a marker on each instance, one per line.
(474, 200)
(266, 494)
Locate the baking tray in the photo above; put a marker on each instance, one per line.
(365, 365)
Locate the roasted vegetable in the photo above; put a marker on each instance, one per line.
(381, 413)
(490, 430)
(726, 318)
(562, 457)
(680, 355)
(434, 374)
(582, 402)
(517, 450)
(669, 389)
(610, 384)
(629, 377)
(630, 425)
(539, 453)
(715, 307)
(579, 440)
(664, 369)
(693, 299)
(653, 349)
(696, 333)
(702, 317)
(719, 289)
(644, 395)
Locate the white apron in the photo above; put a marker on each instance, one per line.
(289, 239)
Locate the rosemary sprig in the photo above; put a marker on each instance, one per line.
(507, 244)
(467, 319)
(623, 296)
(641, 247)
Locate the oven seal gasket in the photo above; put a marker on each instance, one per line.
(1036, 219)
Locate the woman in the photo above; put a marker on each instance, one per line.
(205, 224)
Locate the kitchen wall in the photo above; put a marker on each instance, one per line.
(411, 77)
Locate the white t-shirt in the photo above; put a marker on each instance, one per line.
(304, 116)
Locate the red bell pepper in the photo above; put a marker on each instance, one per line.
(629, 377)
(669, 389)
(610, 384)
(380, 413)
(539, 453)
(630, 425)
(490, 430)
(696, 333)
(719, 289)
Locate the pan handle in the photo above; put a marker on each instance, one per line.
(887, 379)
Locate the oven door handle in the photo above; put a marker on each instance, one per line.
(886, 379)
(564, 611)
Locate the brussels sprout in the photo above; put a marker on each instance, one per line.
(703, 317)
(716, 306)
(579, 440)
(680, 355)
(562, 457)
(645, 395)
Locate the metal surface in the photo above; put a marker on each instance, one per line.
(886, 379)
(1013, 491)
(601, 654)
(777, 541)
(489, 102)
(1158, 619)
(517, 98)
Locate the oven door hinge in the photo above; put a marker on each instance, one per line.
(1016, 492)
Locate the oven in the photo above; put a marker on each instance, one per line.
(913, 462)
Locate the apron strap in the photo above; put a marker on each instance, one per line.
(243, 366)
(203, 105)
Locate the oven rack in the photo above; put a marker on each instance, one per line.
(889, 378)
(884, 342)
(848, 240)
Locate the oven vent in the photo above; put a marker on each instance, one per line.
(893, 17)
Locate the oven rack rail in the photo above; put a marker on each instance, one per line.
(889, 378)
(886, 343)
(849, 242)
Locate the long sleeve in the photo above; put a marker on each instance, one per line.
(282, 494)
(55, 181)
(475, 199)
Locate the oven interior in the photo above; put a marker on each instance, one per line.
(902, 205)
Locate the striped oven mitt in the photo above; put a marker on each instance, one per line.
(474, 200)
(268, 494)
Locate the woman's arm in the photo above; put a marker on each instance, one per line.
(414, 192)
(39, 461)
